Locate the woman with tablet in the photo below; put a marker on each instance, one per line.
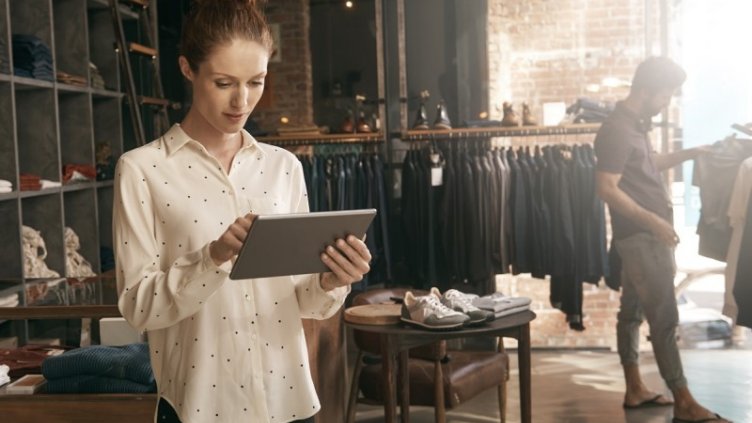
(222, 350)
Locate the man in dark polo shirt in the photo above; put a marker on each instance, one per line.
(629, 180)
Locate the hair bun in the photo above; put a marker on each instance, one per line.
(231, 3)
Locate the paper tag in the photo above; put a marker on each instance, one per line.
(437, 176)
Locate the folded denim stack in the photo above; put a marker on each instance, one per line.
(586, 110)
(5, 186)
(502, 305)
(101, 369)
(32, 58)
(96, 78)
(452, 310)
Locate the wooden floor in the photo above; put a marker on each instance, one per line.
(587, 387)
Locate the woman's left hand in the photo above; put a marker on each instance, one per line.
(348, 263)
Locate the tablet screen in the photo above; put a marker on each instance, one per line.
(291, 244)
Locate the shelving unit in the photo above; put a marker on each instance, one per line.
(45, 125)
(295, 140)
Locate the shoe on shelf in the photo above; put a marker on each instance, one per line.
(347, 125)
(527, 116)
(463, 303)
(421, 118)
(442, 118)
(363, 126)
(427, 312)
(510, 117)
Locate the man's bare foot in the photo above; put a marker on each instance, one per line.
(695, 413)
(644, 399)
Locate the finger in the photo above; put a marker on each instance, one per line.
(360, 247)
(245, 222)
(351, 270)
(358, 258)
(336, 269)
(230, 242)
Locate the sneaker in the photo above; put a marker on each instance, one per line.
(427, 312)
(461, 302)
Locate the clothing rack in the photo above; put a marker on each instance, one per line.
(324, 139)
(492, 132)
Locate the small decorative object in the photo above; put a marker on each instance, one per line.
(35, 251)
(76, 266)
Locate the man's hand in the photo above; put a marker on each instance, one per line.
(229, 243)
(348, 263)
(664, 231)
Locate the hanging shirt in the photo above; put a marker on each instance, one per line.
(737, 211)
(222, 350)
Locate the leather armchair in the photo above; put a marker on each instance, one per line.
(463, 374)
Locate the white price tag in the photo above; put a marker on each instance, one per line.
(437, 176)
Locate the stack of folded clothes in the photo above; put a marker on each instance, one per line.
(67, 78)
(502, 305)
(4, 378)
(101, 369)
(96, 78)
(5, 186)
(32, 58)
(30, 182)
(586, 110)
(27, 359)
(9, 300)
(79, 173)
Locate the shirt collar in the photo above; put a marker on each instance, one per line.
(175, 139)
(642, 124)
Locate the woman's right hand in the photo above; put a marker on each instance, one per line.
(228, 244)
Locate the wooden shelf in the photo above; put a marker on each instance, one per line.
(39, 193)
(9, 195)
(125, 11)
(491, 132)
(78, 186)
(96, 92)
(283, 140)
(67, 88)
(4, 77)
(59, 312)
(23, 82)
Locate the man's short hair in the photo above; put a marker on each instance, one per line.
(656, 74)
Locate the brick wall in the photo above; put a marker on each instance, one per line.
(289, 90)
(544, 50)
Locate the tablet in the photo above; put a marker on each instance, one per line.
(291, 244)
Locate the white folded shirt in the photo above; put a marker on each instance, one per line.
(4, 183)
(50, 184)
(497, 302)
(4, 190)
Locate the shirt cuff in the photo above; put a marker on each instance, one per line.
(337, 294)
(208, 262)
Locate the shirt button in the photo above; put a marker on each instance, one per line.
(247, 297)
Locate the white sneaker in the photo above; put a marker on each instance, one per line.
(428, 312)
(459, 301)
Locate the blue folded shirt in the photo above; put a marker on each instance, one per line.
(128, 362)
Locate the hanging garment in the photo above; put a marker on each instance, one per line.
(737, 213)
(714, 174)
(743, 282)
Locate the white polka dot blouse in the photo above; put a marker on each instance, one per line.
(222, 350)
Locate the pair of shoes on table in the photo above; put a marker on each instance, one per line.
(511, 119)
(435, 311)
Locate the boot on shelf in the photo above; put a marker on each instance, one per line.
(363, 126)
(527, 116)
(348, 126)
(421, 118)
(510, 117)
(442, 118)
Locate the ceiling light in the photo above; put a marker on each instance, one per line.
(349, 4)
